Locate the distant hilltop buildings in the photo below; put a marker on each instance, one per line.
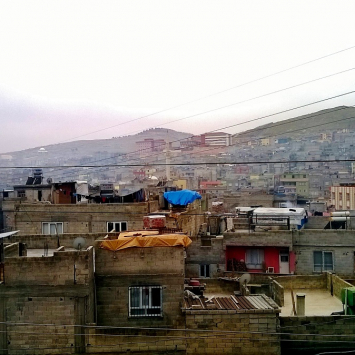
(221, 139)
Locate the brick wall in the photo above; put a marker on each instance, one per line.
(313, 335)
(228, 332)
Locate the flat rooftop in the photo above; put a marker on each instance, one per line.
(34, 253)
(319, 302)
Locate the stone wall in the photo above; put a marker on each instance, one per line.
(227, 332)
(313, 335)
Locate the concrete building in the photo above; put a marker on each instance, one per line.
(342, 197)
(295, 183)
(216, 139)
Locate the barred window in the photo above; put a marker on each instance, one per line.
(145, 301)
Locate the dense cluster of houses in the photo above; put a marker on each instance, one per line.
(161, 271)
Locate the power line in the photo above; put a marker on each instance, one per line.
(188, 164)
(183, 330)
(254, 98)
(217, 93)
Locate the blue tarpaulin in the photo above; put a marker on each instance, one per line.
(182, 197)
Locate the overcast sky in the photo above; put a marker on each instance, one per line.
(70, 68)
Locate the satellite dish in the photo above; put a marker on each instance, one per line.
(79, 243)
(49, 180)
(244, 279)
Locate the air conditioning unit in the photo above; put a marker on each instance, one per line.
(270, 270)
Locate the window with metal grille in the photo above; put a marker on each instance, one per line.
(52, 228)
(323, 261)
(145, 301)
(116, 226)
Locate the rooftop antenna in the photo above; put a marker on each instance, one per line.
(79, 243)
(244, 279)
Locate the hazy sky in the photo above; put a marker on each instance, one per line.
(69, 68)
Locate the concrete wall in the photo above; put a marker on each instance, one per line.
(63, 268)
(214, 255)
(313, 335)
(335, 284)
(117, 271)
(37, 241)
(228, 332)
(126, 341)
(198, 254)
(340, 242)
(82, 218)
(303, 282)
(11, 250)
(316, 222)
(47, 290)
(277, 291)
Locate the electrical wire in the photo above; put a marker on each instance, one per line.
(260, 96)
(182, 330)
(218, 93)
(250, 99)
(255, 130)
(194, 164)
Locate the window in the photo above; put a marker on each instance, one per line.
(204, 270)
(52, 228)
(145, 301)
(323, 261)
(116, 226)
(21, 193)
(254, 258)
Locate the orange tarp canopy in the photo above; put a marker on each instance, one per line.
(166, 240)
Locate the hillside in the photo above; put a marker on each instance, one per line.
(333, 119)
(99, 147)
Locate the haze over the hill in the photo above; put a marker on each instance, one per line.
(75, 70)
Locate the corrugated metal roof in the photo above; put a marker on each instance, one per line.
(253, 302)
